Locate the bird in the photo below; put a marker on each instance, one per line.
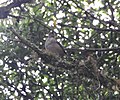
(53, 47)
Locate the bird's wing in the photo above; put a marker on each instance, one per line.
(60, 46)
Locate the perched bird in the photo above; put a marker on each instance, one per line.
(53, 47)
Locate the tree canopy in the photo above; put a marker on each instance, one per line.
(89, 31)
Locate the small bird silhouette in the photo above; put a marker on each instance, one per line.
(53, 46)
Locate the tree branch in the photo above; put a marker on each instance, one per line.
(93, 49)
(90, 27)
(45, 57)
(67, 66)
(5, 10)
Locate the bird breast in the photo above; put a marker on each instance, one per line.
(53, 47)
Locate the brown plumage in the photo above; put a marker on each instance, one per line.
(53, 46)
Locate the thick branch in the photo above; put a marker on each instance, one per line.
(5, 10)
(93, 49)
